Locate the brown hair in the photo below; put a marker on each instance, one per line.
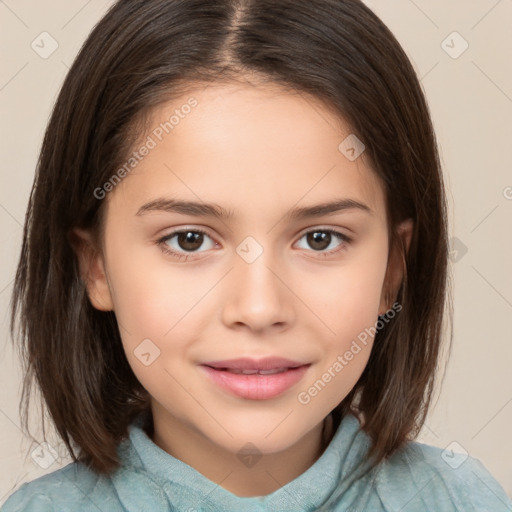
(145, 52)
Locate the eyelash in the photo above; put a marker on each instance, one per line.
(165, 248)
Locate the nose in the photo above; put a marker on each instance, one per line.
(257, 296)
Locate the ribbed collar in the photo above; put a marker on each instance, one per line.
(152, 479)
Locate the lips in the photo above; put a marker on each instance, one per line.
(245, 364)
(253, 372)
(254, 379)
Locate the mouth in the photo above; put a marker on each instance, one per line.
(255, 383)
(245, 364)
(253, 372)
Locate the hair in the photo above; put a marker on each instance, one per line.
(143, 53)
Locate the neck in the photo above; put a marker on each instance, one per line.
(266, 475)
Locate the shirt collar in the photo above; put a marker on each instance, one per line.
(152, 479)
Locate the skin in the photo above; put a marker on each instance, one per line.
(258, 151)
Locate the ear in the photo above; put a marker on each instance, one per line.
(92, 269)
(396, 263)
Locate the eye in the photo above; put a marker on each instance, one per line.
(185, 243)
(320, 239)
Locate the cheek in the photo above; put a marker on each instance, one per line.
(150, 300)
(348, 297)
(160, 310)
(351, 316)
(347, 302)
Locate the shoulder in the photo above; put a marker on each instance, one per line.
(73, 487)
(425, 477)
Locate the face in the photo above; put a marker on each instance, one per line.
(189, 287)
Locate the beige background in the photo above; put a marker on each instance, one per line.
(471, 103)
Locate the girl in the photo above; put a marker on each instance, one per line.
(234, 268)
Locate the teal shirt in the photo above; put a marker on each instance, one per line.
(416, 478)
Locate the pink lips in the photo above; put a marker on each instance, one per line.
(270, 376)
(246, 363)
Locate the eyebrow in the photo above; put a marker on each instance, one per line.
(213, 210)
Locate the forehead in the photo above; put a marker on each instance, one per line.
(239, 144)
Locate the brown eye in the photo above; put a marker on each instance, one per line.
(189, 240)
(185, 242)
(319, 240)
